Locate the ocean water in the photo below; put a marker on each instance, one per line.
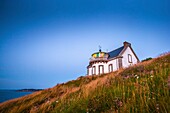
(11, 94)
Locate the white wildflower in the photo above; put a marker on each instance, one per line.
(135, 76)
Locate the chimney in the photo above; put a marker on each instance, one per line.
(126, 44)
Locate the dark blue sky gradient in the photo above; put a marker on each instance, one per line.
(45, 42)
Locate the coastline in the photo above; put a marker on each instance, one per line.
(28, 90)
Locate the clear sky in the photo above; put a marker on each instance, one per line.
(45, 42)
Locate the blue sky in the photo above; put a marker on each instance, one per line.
(45, 42)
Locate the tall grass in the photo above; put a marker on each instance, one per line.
(138, 89)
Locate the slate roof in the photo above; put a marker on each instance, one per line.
(115, 52)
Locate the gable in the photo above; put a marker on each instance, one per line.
(131, 51)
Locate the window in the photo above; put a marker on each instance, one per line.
(101, 69)
(129, 58)
(88, 71)
(94, 70)
(110, 67)
(120, 62)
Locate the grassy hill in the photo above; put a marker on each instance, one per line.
(144, 88)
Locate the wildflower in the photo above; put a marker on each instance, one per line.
(126, 77)
(56, 101)
(135, 76)
(151, 72)
(151, 76)
(118, 103)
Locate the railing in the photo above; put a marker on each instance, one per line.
(98, 59)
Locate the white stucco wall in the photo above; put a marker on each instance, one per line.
(97, 67)
(106, 66)
(114, 63)
(125, 61)
(90, 71)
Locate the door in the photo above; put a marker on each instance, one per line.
(110, 67)
(101, 69)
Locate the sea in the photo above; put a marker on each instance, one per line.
(11, 94)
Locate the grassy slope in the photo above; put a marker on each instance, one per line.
(141, 88)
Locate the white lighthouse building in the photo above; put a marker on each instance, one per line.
(105, 62)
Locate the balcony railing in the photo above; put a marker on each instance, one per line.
(98, 59)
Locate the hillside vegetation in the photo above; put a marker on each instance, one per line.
(143, 88)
